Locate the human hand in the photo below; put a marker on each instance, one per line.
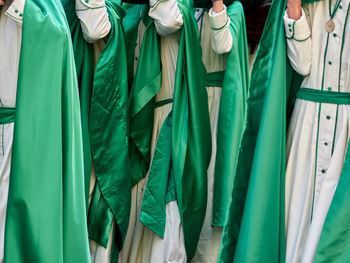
(218, 6)
(294, 9)
(2, 2)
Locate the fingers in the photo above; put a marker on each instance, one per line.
(2, 2)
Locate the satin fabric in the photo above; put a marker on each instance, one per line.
(46, 203)
(231, 114)
(108, 127)
(146, 84)
(104, 96)
(191, 136)
(7, 115)
(153, 209)
(254, 230)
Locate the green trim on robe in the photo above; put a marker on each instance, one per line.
(255, 227)
(231, 115)
(145, 86)
(46, 213)
(191, 134)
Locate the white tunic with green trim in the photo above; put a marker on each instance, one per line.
(319, 132)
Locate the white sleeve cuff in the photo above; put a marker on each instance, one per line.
(298, 30)
(15, 11)
(89, 4)
(218, 21)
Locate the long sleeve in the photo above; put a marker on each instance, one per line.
(167, 16)
(94, 19)
(221, 38)
(298, 35)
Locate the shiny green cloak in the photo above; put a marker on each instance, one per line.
(254, 230)
(231, 115)
(46, 214)
(104, 96)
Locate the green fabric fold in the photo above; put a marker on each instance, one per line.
(108, 126)
(104, 97)
(46, 211)
(232, 114)
(153, 214)
(7, 115)
(147, 83)
(191, 136)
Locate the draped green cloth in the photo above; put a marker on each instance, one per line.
(231, 115)
(46, 211)
(191, 135)
(255, 228)
(145, 86)
(104, 97)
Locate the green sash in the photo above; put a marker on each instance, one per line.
(46, 211)
(324, 96)
(7, 115)
(231, 115)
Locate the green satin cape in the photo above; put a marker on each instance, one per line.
(104, 96)
(108, 135)
(254, 230)
(191, 135)
(46, 213)
(231, 115)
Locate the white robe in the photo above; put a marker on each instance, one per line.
(10, 49)
(318, 134)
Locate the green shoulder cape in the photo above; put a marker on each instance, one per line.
(46, 214)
